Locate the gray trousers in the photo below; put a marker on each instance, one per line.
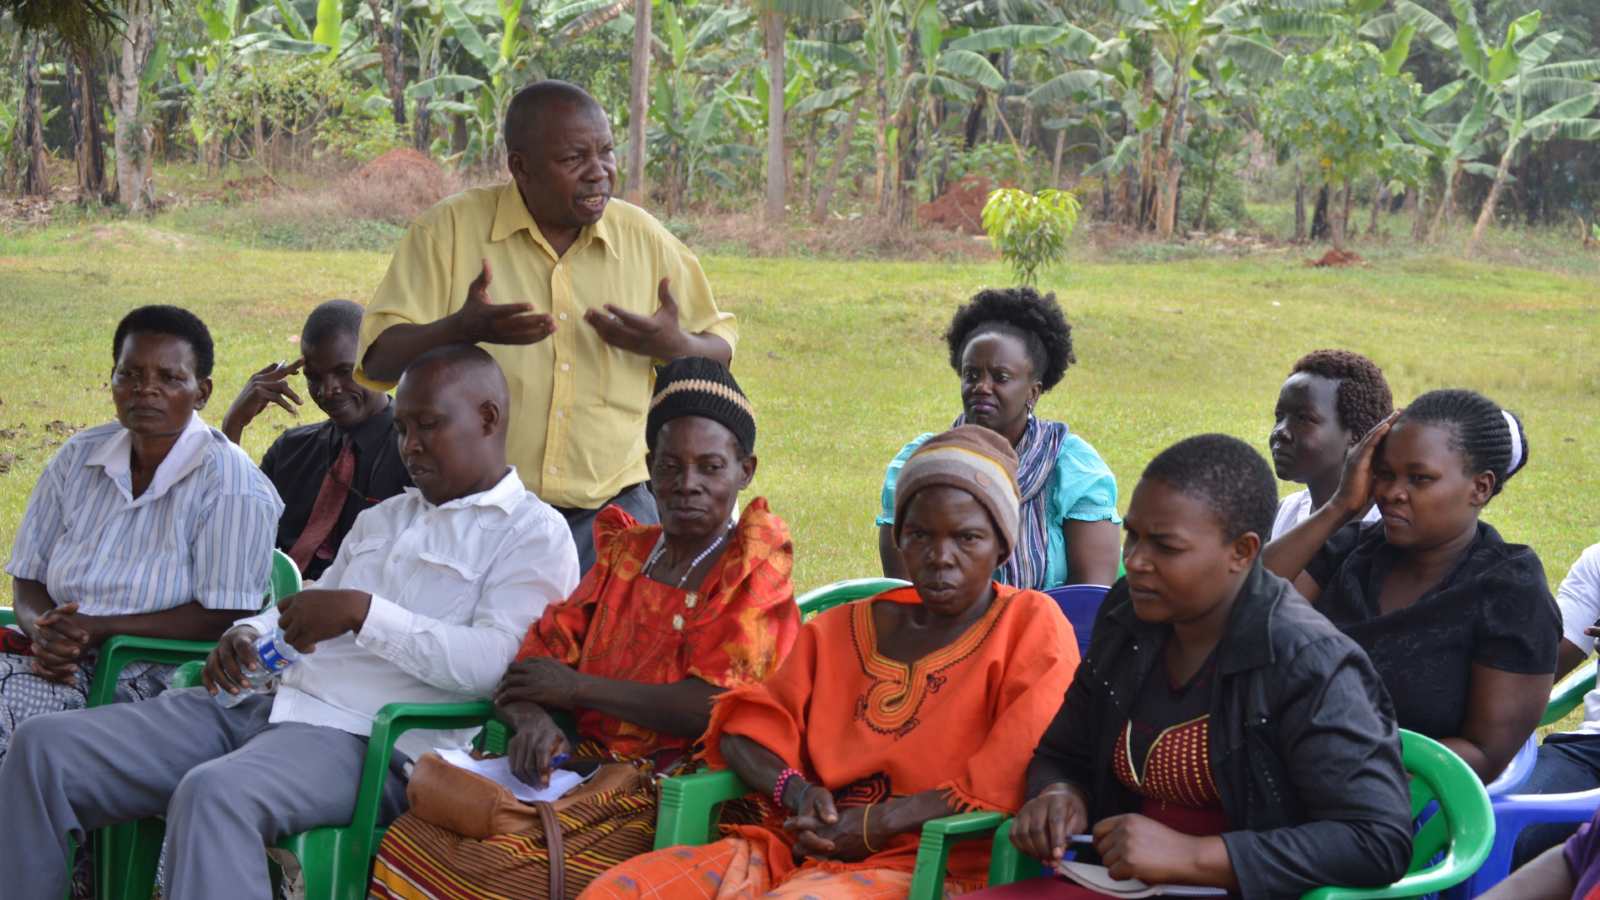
(227, 781)
(636, 501)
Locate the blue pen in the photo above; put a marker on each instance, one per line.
(559, 759)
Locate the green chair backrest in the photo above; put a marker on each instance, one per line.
(1568, 692)
(1453, 842)
(285, 577)
(840, 592)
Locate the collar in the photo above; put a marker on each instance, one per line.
(1246, 639)
(370, 434)
(511, 216)
(506, 494)
(115, 458)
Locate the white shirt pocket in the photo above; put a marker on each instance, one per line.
(443, 588)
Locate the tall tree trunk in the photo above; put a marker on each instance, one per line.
(88, 138)
(841, 153)
(389, 51)
(638, 100)
(1299, 205)
(1340, 221)
(1144, 215)
(1320, 217)
(135, 185)
(1055, 160)
(808, 185)
(1486, 215)
(1169, 165)
(35, 179)
(1379, 198)
(1447, 201)
(1417, 198)
(773, 25)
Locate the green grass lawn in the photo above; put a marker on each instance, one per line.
(844, 361)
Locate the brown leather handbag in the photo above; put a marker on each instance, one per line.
(473, 806)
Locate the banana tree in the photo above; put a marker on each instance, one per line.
(1534, 100)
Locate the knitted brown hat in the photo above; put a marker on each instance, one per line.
(973, 459)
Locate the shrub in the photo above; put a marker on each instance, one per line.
(1030, 230)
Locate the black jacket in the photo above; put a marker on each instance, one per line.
(1303, 743)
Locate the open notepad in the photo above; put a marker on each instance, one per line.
(1096, 878)
(498, 770)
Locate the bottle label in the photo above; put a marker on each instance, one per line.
(272, 659)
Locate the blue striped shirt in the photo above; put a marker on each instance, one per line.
(202, 531)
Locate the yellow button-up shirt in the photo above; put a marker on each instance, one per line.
(578, 404)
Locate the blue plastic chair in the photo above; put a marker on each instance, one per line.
(1514, 812)
(1080, 603)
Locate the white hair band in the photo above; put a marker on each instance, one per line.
(1516, 441)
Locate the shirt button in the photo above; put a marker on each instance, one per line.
(677, 623)
(566, 367)
(552, 470)
(561, 316)
(690, 601)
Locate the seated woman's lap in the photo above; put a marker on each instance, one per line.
(24, 694)
(734, 868)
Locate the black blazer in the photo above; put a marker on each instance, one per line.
(1303, 744)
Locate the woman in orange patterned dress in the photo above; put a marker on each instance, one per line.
(670, 615)
(916, 704)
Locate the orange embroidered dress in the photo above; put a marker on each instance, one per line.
(731, 630)
(963, 720)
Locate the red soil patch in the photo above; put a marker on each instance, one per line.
(395, 186)
(959, 208)
(1336, 258)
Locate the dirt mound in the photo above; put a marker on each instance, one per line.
(1336, 258)
(394, 187)
(959, 208)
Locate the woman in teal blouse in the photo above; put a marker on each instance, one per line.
(1009, 347)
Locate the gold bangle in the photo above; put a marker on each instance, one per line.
(864, 814)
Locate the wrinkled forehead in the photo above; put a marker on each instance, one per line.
(154, 348)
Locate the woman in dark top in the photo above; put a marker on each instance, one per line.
(1219, 732)
(1459, 623)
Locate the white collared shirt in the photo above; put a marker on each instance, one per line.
(454, 589)
(1296, 508)
(1579, 600)
(202, 530)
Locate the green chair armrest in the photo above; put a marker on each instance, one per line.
(689, 804)
(1006, 862)
(933, 850)
(8, 616)
(117, 653)
(188, 675)
(1568, 692)
(392, 721)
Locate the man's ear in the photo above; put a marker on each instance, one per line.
(490, 414)
(748, 471)
(1243, 551)
(205, 393)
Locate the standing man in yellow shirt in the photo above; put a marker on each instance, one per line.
(574, 293)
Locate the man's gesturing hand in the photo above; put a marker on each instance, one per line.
(483, 321)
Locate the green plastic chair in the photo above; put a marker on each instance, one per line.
(336, 862)
(690, 804)
(1569, 692)
(1446, 849)
(840, 592)
(115, 845)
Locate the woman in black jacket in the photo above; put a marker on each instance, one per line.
(1220, 731)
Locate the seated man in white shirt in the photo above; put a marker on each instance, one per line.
(426, 601)
(1570, 761)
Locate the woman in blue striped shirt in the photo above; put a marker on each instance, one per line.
(152, 525)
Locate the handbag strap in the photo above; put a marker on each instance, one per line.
(554, 850)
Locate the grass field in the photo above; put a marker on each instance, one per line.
(844, 360)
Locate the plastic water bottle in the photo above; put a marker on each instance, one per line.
(276, 654)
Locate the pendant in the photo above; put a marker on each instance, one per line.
(690, 600)
(677, 623)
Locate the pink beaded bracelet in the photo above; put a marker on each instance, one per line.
(783, 782)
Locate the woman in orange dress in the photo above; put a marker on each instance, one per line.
(917, 704)
(670, 615)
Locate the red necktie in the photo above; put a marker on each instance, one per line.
(326, 508)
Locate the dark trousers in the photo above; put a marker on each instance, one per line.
(636, 501)
(1567, 763)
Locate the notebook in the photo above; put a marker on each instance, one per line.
(498, 770)
(1097, 878)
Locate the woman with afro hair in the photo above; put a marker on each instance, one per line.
(1009, 347)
